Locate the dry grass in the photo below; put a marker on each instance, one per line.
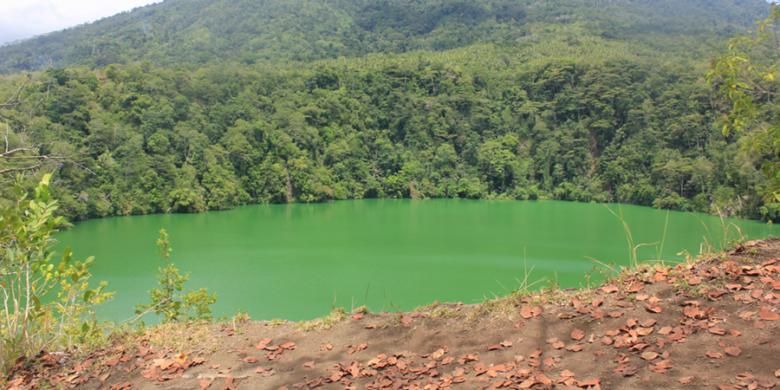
(440, 310)
(334, 317)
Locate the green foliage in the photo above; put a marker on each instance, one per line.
(170, 300)
(577, 100)
(397, 126)
(196, 32)
(747, 81)
(47, 303)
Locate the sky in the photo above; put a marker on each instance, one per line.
(21, 19)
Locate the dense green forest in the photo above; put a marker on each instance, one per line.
(196, 32)
(486, 99)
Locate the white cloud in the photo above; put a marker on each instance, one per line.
(21, 19)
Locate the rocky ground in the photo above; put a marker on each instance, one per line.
(712, 323)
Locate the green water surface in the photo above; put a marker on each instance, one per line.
(297, 261)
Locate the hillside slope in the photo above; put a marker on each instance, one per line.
(179, 32)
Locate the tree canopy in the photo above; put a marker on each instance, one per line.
(535, 100)
(196, 32)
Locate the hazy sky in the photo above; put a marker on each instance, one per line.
(25, 18)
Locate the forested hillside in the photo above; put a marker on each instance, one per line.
(576, 100)
(178, 32)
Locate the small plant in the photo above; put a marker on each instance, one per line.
(170, 300)
(239, 319)
(47, 303)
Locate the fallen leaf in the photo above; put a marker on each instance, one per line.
(649, 355)
(717, 331)
(647, 323)
(733, 286)
(686, 380)
(635, 287)
(644, 331)
(733, 351)
(356, 348)
(714, 355)
(204, 383)
(230, 383)
(250, 360)
(693, 280)
(577, 334)
(567, 374)
(472, 357)
(766, 314)
(661, 367)
(609, 289)
(574, 348)
(693, 312)
(263, 343)
(543, 379)
(654, 308)
(528, 311)
(528, 383)
(309, 364)
(589, 382)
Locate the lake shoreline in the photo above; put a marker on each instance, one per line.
(651, 327)
(487, 199)
(297, 261)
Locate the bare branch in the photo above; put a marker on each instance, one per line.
(14, 99)
(20, 169)
(8, 153)
(42, 159)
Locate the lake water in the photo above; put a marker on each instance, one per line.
(298, 261)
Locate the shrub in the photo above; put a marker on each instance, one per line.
(170, 300)
(46, 303)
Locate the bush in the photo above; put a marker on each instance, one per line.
(170, 300)
(46, 303)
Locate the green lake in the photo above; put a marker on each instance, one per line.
(298, 261)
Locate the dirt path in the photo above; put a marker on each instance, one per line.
(715, 324)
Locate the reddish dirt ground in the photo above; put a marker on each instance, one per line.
(713, 324)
